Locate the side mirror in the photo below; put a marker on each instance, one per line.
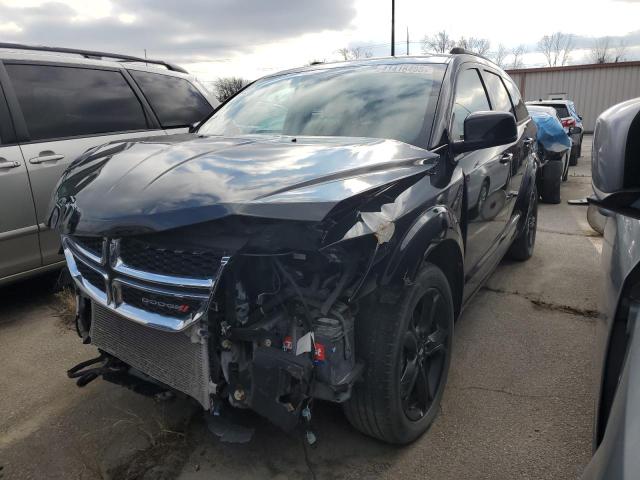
(487, 129)
(615, 159)
(580, 117)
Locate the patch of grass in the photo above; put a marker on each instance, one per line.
(64, 305)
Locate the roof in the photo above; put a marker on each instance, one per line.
(549, 102)
(567, 68)
(443, 58)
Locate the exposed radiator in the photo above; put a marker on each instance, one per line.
(170, 357)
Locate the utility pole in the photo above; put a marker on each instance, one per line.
(407, 41)
(393, 28)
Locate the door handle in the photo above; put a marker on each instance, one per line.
(6, 165)
(46, 157)
(528, 141)
(506, 158)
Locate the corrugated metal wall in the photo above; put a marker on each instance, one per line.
(593, 89)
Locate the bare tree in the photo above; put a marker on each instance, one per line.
(226, 87)
(620, 51)
(601, 51)
(354, 53)
(481, 46)
(500, 55)
(441, 42)
(518, 53)
(556, 48)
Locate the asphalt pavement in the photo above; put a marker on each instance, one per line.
(518, 404)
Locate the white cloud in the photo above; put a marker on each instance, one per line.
(10, 27)
(251, 38)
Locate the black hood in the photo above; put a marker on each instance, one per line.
(167, 182)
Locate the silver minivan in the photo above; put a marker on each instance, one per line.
(54, 105)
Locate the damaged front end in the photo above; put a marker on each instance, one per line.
(270, 330)
(240, 296)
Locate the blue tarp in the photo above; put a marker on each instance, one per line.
(551, 135)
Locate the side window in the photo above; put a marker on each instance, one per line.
(469, 97)
(60, 102)
(520, 109)
(176, 101)
(497, 93)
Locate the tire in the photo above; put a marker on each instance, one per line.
(405, 339)
(522, 247)
(573, 158)
(579, 149)
(551, 180)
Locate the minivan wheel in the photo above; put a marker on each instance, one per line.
(405, 340)
(522, 247)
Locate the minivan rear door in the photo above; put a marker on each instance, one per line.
(65, 109)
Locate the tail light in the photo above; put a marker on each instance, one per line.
(568, 122)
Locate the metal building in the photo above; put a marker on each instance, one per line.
(593, 88)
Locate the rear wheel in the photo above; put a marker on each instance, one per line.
(406, 345)
(551, 180)
(573, 158)
(522, 247)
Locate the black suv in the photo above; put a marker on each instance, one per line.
(316, 238)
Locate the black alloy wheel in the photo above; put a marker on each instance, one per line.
(404, 336)
(425, 349)
(522, 247)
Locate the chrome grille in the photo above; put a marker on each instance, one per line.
(159, 298)
(149, 257)
(170, 357)
(91, 244)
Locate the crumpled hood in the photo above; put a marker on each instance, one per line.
(167, 182)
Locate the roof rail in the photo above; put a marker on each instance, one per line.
(461, 51)
(93, 55)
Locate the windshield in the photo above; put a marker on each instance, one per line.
(378, 101)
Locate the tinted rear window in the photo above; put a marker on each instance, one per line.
(60, 102)
(520, 111)
(176, 102)
(497, 93)
(562, 110)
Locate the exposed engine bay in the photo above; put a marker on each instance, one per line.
(274, 330)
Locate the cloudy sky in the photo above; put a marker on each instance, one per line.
(251, 38)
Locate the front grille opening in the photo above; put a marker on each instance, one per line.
(168, 261)
(91, 244)
(167, 305)
(90, 275)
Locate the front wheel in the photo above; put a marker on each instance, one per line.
(405, 342)
(522, 247)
